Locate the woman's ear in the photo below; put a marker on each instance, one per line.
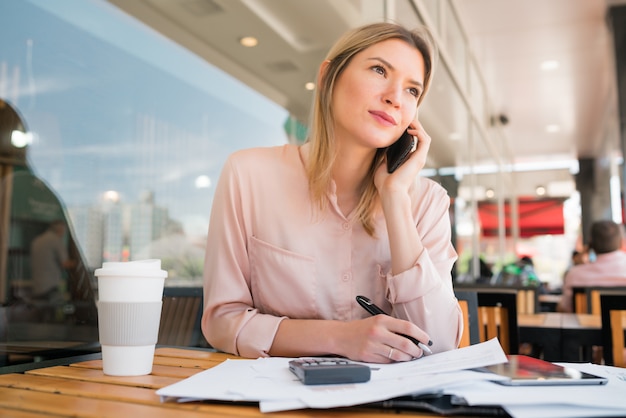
(322, 71)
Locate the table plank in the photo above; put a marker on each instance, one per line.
(197, 363)
(550, 298)
(528, 320)
(5, 412)
(64, 405)
(560, 320)
(79, 388)
(180, 371)
(47, 395)
(108, 392)
(541, 320)
(192, 354)
(91, 375)
(589, 321)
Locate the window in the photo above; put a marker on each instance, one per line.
(126, 134)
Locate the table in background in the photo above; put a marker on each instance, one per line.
(82, 390)
(549, 302)
(561, 335)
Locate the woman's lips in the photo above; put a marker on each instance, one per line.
(383, 117)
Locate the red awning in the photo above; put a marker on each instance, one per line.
(536, 217)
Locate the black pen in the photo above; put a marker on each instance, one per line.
(370, 307)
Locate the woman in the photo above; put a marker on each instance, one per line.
(297, 232)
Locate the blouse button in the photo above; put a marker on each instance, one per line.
(346, 225)
(346, 277)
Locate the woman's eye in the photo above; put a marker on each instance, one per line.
(415, 92)
(379, 69)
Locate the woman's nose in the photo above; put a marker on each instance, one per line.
(392, 95)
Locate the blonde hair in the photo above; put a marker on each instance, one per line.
(322, 154)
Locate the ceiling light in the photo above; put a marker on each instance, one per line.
(249, 41)
(553, 128)
(203, 182)
(549, 65)
(540, 190)
(490, 193)
(21, 139)
(111, 196)
(310, 86)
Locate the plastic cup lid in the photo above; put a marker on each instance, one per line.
(149, 268)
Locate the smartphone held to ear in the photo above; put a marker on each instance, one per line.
(399, 151)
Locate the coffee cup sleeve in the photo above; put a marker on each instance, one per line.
(129, 323)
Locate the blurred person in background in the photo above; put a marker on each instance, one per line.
(49, 260)
(608, 267)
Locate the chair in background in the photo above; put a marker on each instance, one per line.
(497, 317)
(579, 300)
(586, 299)
(181, 316)
(613, 308)
(468, 301)
(527, 296)
(528, 300)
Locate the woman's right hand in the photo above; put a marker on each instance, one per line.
(377, 339)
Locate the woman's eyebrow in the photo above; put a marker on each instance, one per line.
(391, 67)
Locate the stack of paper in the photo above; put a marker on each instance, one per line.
(269, 382)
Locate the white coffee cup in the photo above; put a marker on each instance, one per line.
(130, 296)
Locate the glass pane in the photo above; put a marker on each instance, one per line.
(432, 8)
(126, 134)
(406, 14)
(477, 94)
(455, 45)
(445, 118)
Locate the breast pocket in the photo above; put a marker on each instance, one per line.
(283, 283)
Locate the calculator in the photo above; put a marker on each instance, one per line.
(329, 370)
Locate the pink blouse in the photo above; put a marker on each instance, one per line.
(272, 254)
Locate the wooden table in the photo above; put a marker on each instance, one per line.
(549, 302)
(561, 336)
(82, 390)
